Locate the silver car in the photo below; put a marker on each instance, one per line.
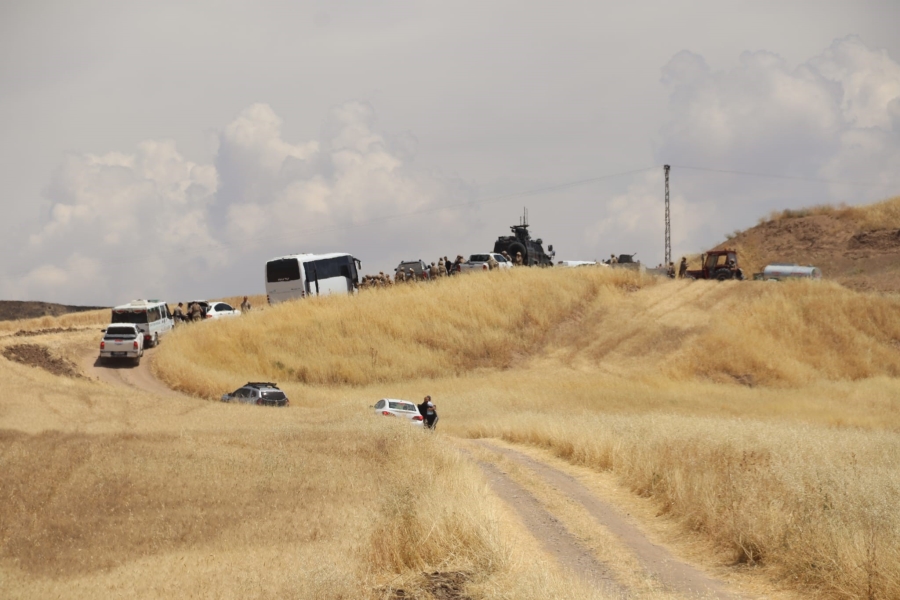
(390, 407)
(261, 393)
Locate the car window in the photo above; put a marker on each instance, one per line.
(499, 258)
(273, 395)
(479, 258)
(120, 331)
(379, 404)
(223, 306)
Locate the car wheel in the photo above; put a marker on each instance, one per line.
(723, 275)
(137, 360)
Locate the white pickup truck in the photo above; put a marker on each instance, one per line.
(479, 262)
(122, 340)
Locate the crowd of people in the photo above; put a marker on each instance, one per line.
(443, 267)
(195, 312)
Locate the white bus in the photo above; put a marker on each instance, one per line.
(303, 275)
(151, 316)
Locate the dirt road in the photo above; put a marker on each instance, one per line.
(124, 373)
(659, 565)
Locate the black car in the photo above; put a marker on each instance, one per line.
(261, 393)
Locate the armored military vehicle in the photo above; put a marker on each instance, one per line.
(532, 250)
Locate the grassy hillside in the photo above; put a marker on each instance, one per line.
(725, 402)
(857, 246)
(599, 319)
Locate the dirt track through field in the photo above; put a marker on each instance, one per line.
(672, 573)
(554, 537)
(124, 373)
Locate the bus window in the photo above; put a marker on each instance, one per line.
(326, 268)
(285, 269)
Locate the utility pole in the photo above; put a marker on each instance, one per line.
(668, 223)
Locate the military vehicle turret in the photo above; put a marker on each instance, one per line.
(532, 250)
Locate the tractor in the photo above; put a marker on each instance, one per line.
(717, 264)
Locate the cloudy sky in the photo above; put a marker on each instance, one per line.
(168, 149)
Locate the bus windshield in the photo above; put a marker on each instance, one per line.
(138, 317)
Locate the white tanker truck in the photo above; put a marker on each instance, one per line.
(782, 271)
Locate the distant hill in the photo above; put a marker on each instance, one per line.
(859, 247)
(11, 310)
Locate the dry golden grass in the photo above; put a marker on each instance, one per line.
(880, 215)
(764, 418)
(110, 492)
(483, 321)
(724, 402)
(812, 503)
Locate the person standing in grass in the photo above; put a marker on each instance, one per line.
(682, 268)
(196, 312)
(245, 305)
(428, 410)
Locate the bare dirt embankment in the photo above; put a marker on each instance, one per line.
(859, 247)
(35, 355)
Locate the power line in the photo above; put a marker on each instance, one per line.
(789, 177)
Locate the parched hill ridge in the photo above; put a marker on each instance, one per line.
(11, 310)
(859, 247)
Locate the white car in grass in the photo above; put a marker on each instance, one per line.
(404, 409)
(213, 310)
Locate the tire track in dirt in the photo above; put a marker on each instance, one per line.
(673, 573)
(139, 377)
(552, 534)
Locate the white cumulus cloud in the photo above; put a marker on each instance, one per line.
(152, 223)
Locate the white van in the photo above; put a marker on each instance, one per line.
(304, 275)
(151, 316)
